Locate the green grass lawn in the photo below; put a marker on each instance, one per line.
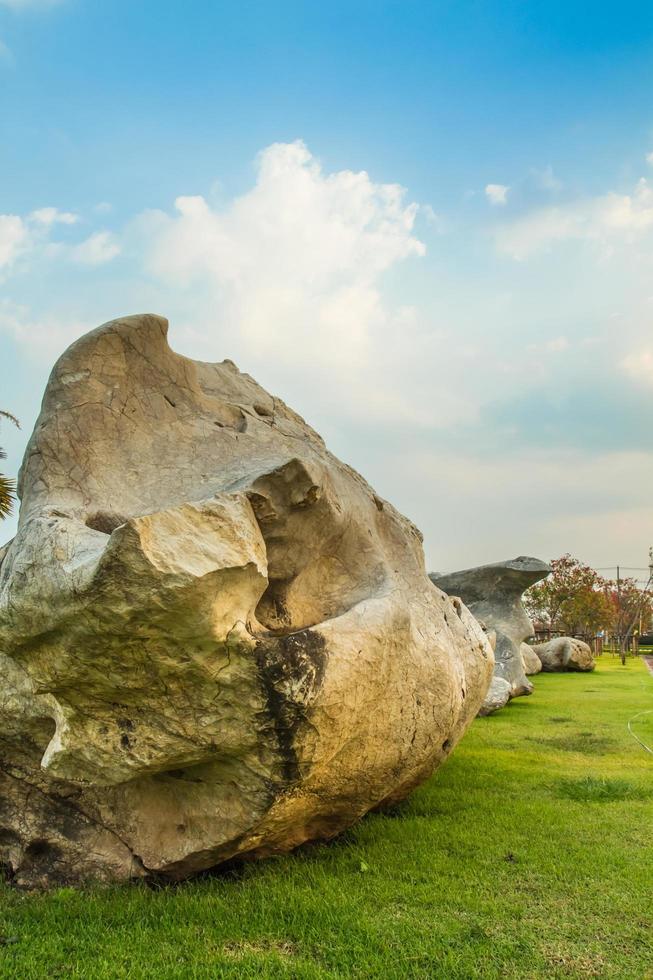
(529, 855)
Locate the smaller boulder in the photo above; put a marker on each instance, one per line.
(493, 594)
(565, 653)
(498, 695)
(532, 663)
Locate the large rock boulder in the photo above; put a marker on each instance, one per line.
(564, 653)
(494, 594)
(215, 638)
(531, 661)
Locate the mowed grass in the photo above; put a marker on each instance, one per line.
(530, 854)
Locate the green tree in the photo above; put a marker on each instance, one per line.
(571, 600)
(7, 485)
(630, 606)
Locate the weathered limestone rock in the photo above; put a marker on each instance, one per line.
(493, 593)
(497, 697)
(531, 661)
(215, 639)
(564, 653)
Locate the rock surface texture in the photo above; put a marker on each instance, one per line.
(494, 594)
(215, 639)
(531, 661)
(497, 697)
(564, 653)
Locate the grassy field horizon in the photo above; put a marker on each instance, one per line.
(527, 856)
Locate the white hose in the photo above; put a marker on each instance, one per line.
(636, 737)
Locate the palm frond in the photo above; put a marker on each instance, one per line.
(7, 485)
(7, 495)
(10, 417)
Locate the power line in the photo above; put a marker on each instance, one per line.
(629, 568)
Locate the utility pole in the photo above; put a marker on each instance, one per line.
(622, 652)
(638, 612)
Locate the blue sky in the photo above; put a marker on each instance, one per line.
(427, 226)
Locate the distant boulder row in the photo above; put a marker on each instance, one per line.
(493, 593)
(215, 638)
(564, 653)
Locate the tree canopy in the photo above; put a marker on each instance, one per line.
(575, 599)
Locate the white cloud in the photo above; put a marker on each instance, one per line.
(52, 216)
(42, 336)
(290, 276)
(404, 375)
(432, 217)
(639, 366)
(28, 4)
(541, 503)
(22, 236)
(103, 207)
(14, 238)
(497, 194)
(6, 55)
(545, 179)
(649, 158)
(289, 280)
(98, 248)
(605, 220)
(32, 239)
(557, 345)
(294, 266)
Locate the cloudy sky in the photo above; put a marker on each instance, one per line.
(428, 226)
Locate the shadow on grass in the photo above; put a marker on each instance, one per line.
(586, 742)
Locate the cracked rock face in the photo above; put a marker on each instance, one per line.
(215, 639)
(564, 653)
(494, 594)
